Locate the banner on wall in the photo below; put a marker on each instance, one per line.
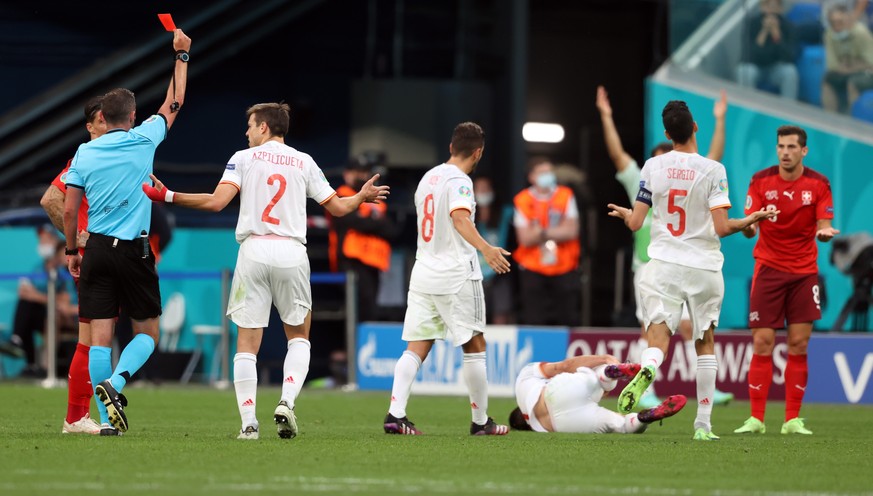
(677, 375)
(840, 366)
(509, 349)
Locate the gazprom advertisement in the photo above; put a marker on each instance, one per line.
(509, 349)
(840, 365)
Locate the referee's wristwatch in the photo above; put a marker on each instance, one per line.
(71, 251)
(182, 55)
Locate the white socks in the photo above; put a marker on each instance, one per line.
(245, 382)
(295, 369)
(404, 375)
(477, 385)
(632, 424)
(707, 370)
(652, 356)
(606, 383)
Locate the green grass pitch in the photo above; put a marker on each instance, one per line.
(183, 441)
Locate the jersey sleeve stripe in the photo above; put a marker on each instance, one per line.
(230, 183)
(460, 208)
(327, 199)
(726, 205)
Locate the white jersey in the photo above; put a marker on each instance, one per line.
(444, 260)
(682, 189)
(274, 181)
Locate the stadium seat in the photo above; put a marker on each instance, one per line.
(172, 319)
(216, 349)
(804, 13)
(863, 107)
(806, 17)
(811, 68)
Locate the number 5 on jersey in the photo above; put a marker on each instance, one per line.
(672, 208)
(427, 223)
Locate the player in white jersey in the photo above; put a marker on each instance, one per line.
(689, 197)
(445, 298)
(563, 397)
(273, 181)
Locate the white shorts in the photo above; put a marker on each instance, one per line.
(270, 271)
(572, 403)
(665, 286)
(455, 317)
(528, 386)
(638, 300)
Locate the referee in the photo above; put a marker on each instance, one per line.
(118, 268)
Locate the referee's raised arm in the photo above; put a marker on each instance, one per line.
(176, 90)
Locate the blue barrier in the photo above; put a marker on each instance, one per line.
(510, 348)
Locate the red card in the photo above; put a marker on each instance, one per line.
(167, 21)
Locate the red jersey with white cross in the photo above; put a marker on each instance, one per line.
(60, 182)
(787, 242)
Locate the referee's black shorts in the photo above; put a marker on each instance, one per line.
(115, 275)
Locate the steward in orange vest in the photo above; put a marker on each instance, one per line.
(362, 236)
(547, 213)
(547, 229)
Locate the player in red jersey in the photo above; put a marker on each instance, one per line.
(785, 285)
(79, 391)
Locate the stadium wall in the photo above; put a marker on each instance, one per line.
(840, 365)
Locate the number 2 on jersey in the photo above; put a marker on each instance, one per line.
(427, 223)
(266, 217)
(672, 208)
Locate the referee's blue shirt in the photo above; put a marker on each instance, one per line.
(111, 170)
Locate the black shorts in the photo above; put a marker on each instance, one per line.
(115, 275)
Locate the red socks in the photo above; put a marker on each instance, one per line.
(79, 390)
(760, 377)
(796, 374)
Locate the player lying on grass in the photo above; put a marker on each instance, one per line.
(563, 396)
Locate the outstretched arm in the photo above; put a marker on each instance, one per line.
(826, 231)
(633, 219)
(179, 83)
(570, 365)
(716, 146)
(211, 202)
(725, 226)
(619, 157)
(340, 206)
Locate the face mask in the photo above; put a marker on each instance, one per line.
(485, 199)
(547, 180)
(840, 35)
(45, 250)
(358, 184)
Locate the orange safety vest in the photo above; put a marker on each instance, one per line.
(532, 208)
(369, 249)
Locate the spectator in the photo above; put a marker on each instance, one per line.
(547, 227)
(359, 242)
(492, 222)
(32, 308)
(848, 59)
(769, 51)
